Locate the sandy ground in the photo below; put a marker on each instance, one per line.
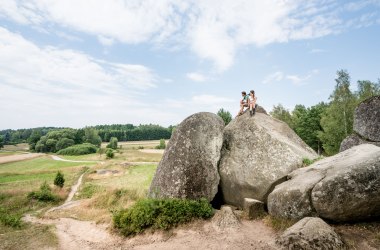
(152, 151)
(19, 157)
(75, 234)
(57, 158)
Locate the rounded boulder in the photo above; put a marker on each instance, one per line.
(188, 168)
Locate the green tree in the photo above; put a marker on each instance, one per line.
(1, 141)
(279, 112)
(113, 143)
(109, 153)
(91, 136)
(337, 120)
(308, 126)
(225, 115)
(162, 144)
(64, 143)
(367, 89)
(34, 138)
(59, 180)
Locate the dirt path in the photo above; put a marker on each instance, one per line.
(57, 158)
(75, 234)
(69, 203)
(152, 151)
(19, 157)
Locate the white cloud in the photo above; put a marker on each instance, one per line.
(197, 77)
(315, 51)
(295, 79)
(106, 41)
(210, 100)
(214, 29)
(275, 77)
(43, 83)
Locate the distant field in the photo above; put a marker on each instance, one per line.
(29, 174)
(18, 147)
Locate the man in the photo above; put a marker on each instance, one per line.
(243, 102)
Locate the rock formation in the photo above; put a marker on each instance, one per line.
(258, 152)
(344, 187)
(310, 233)
(188, 168)
(366, 124)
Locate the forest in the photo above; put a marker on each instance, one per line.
(324, 125)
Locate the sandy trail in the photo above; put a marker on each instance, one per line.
(57, 158)
(152, 151)
(19, 157)
(75, 234)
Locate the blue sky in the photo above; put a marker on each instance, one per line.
(86, 62)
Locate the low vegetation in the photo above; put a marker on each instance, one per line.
(160, 214)
(44, 194)
(162, 144)
(307, 162)
(80, 149)
(278, 224)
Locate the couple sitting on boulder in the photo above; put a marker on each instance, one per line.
(248, 101)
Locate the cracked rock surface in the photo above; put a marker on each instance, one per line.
(344, 187)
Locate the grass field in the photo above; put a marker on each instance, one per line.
(101, 193)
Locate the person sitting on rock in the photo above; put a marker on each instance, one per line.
(252, 102)
(243, 102)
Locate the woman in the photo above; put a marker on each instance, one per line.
(252, 102)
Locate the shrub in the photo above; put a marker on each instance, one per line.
(160, 214)
(64, 143)
(80, 149)
(140, 147)
(307, 162)
(109, 153)
(44, 194)
(162, 144)
(59, 180)
(113, 143)
(8, 219)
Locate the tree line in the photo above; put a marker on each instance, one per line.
(50, 139)
(325, 125)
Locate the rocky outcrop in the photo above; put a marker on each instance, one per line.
(354, 140)
(366, 124)
(258, 152)
(188, 168)
(367, 119)
(344, 187)
(310, 233)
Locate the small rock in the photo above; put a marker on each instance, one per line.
(310, 233)
(253, 208)
(225, 219)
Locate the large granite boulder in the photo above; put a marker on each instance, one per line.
(188, 168)
(354, 140)
(310, 233)
(258, 152)
(344, 187)
(367, 119)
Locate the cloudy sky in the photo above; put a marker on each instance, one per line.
(86, 62)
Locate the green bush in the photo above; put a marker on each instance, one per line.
(160, 214)
(8, 219)
(113, 143)
(59, 180)
(162, 144)
(80, 149)
(44, 194)
(109, 153)
(307, 162)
